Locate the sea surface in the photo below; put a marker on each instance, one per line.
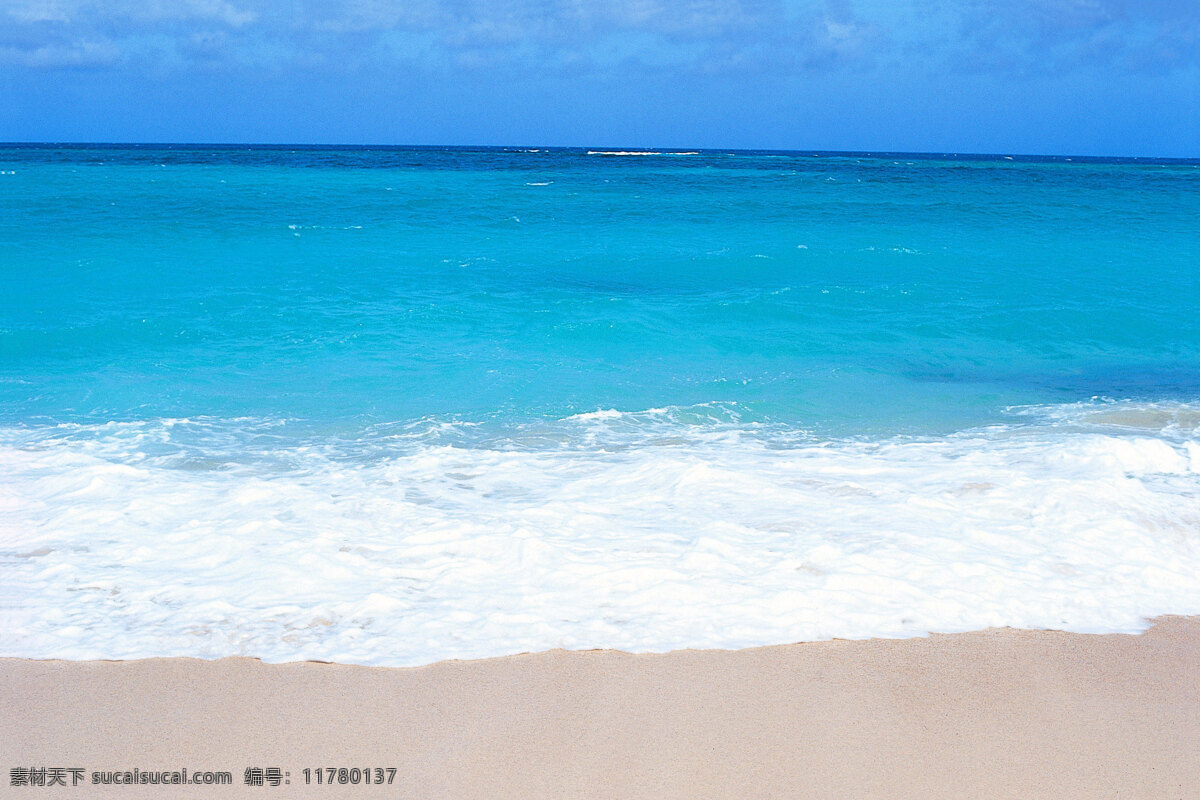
(396, 405)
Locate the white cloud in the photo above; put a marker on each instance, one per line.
(88, 53)
(33, 11)
(1058, 36)
(91, 12)
(674, 35)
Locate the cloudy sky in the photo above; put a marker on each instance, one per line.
(1116, 77)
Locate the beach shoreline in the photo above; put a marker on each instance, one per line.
(992, 714)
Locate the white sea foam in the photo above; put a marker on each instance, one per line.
(663, 529)
(624, 153)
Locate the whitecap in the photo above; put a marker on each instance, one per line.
(647, 530)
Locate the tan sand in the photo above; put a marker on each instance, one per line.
(995, 714)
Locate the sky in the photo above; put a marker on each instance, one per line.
(1086, 77)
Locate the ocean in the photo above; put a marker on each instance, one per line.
(397, 405)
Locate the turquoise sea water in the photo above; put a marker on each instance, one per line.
(207, 314)
(841, 293)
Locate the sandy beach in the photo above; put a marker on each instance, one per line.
(993, 714)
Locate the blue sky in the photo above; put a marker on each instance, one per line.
(1102, 77)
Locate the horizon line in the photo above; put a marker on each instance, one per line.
(647, 149)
